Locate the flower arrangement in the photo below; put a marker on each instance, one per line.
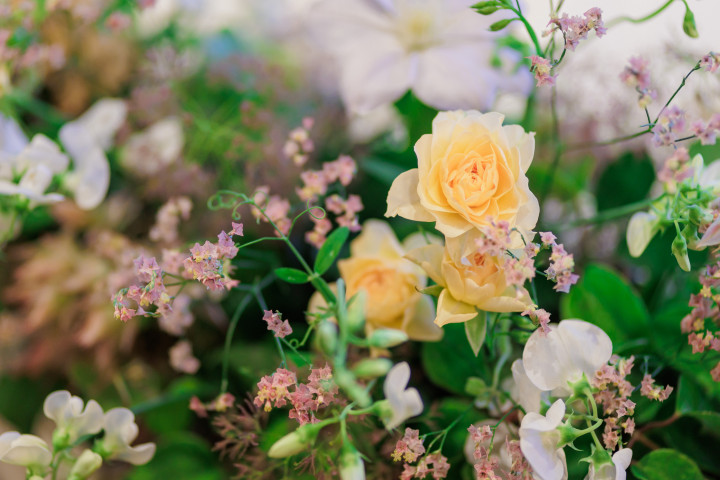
(359, 239)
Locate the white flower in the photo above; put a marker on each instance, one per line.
(404, 402)
(41, 151)
(352, 466)
(524, 390)
(440, 49)
(12, 141)
(28, 451)
(158, 146)
(71, 419)
(85, 465)
(571, 349)
(32, 185)
(120, 430)
(539, 439)
(640, 230)
(612, 471)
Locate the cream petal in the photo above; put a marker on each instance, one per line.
(6, 440)
(524, 391)
(138, 455)
(28, 451)
(640, 231)
(94, 179)
(429, 257)
(524, 142)
(419, 324)
(450, 310)
(55, 405)
(710, 177)
(423, 152)
(376, 239)
(503, 304)
(547, 362)
(120, 427)
(403, 198)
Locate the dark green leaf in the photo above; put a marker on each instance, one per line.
(666, 464)
(626, 180)
(292, 275)
(604, 298)
(330, 250)
(499, 25)
(475, 331)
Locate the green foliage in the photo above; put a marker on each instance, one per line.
(330, 250)
(292, 275)
(604, 298)
(666, 464)
(626, 180)
(475, 331)
(20, 413)
(181, 455)
(450, 362)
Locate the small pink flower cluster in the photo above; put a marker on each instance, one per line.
(487, 465)
(561, 268)
(542, 68)
(280, 328)
(540, 317)
(210, 262)
(654, 392)
(705, 307)
(671, 126)
(299, 146)
(576, 28)
(306, 399)
(677, 167)
(168, 220)
(614, 396)
(316, 182)
(152, 293)
(182, 359)
(637, 75)
(409, 447)
(710, 62)
(272, 208)
(221, 404)
(434, 464)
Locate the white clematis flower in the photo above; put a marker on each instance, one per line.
(539, 439)
(27, 451)
(403, 402)
(441, 49)
(571, 349)
(120, 431)
(72, 420)
(615, 470)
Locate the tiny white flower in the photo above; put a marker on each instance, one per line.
(640, 230)
(120, 431)
(27, 451)
(72, 420)
(615, 470)
(571, 349)
(539, 439)
(404, 402)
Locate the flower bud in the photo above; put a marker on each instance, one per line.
(640, 231)
(295, 442)
(690, 234)
(85, 465)
(327, 337)
(387, 337)
(372, 367)
(689, 26)
(356, 311)
(351, 463)
(346, 381)
(680, 250)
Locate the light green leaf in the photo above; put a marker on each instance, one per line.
(475, 331)
(667, 464)
(330, 250)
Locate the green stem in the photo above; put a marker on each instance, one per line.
(682, 84)
(529, 29)
(616, 21)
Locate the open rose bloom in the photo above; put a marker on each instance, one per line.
(471, 170)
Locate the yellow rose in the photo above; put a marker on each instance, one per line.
(473, 282)
(376, 265)
(470, 169)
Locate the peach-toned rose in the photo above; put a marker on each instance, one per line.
(470, 169)
(376, 265)
(474, 282)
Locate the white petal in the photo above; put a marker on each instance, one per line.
(93, 179)
(525, 392)
(547, 362)
(12, 138)
(622, 459)
(103, 120)
(589, 346)
(6, 440)
(138, 455)
(29, 451)
(42, 151)
(36, 179)
(119, 425)
(710, 177)
(711, 236)
(55, 404)
(640, 231)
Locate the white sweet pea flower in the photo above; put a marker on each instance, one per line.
(27, 451)
(524, 390)
(87, 463)
(539, 440)
(32, 185)
(640, 230)
(72, 420)
(711, 236)
(403, 402)
(441, 49)
(571, 349)
(120, 430)
(615, 470)
(41, 151)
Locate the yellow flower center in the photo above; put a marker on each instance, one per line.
(416, 29)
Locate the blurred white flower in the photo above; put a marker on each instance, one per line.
(12, 141)
(539, 439)
(441, 49)
(41, 151)
(640, 230)
(72, 420)
(615, 470)
(27, 451)
(710, 177)
(32, 185)
(120, 431)
(571, 349)
(152, 150)
(404, 402)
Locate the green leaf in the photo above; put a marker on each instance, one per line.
(434, 290)
(692, 401)
(450, 362)
(689, 26)
(330, 250)
(666, 464)
(604, 298)
(475, 331)
(475, 386)
(626, 180)
(292, 275)
(499, 25)
(181, 455)
(381, 170)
